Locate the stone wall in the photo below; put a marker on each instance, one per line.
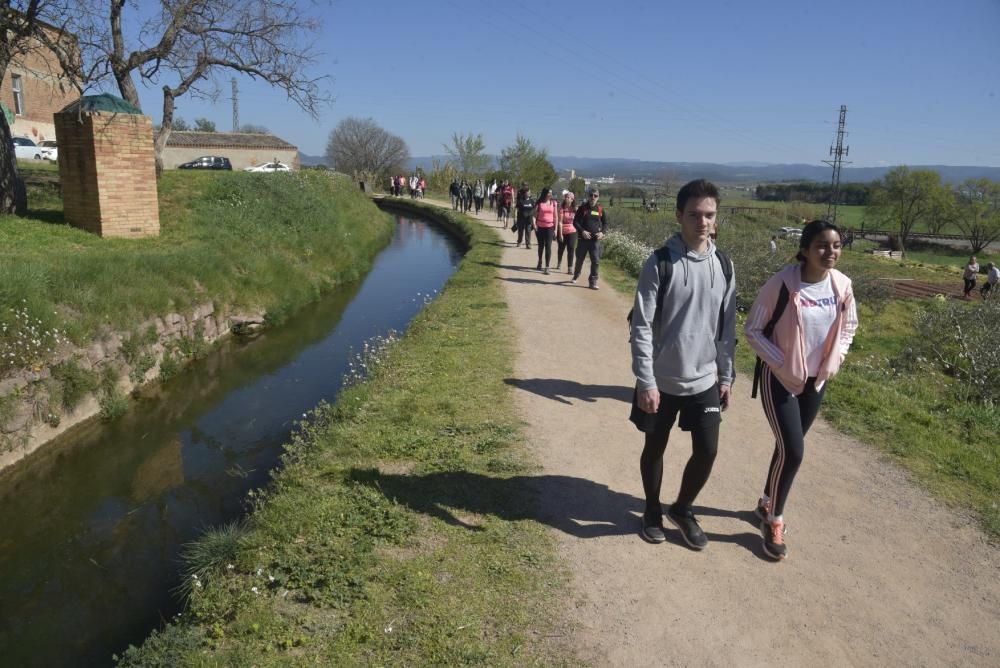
(29, 419)
(108, 173)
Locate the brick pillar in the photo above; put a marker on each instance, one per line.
(108, 173)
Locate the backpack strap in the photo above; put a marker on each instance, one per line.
(779, 308)
(727, 271)
(666, 269)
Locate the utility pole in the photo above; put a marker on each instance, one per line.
(838, 152)
(236, 107)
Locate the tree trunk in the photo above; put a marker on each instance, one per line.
(166, 126)
(13, 196)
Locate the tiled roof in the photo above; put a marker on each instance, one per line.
(179, 138)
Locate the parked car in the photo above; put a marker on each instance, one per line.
(50, 150)
(789, 232)
(26, 149)
(270, 167)
(208, 162)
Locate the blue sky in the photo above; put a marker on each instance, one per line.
(723, 81)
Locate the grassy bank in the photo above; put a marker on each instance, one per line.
(917, 414)
(261, 242)
(399, 530)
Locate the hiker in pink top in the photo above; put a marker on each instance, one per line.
(546, 223)
(566, 234)
(801, 326)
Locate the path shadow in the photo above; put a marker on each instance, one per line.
(510, 267)
(529, 280)
(562, 390)
(578, 507)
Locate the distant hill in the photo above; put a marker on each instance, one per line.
(311, 160)
(745, 172)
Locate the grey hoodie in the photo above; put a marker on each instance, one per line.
(685, 355)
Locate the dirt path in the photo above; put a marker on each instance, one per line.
(878, 573)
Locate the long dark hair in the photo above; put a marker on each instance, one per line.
(545, 192)
(810, 231)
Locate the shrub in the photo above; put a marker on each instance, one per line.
(960, 340)
(76, 382)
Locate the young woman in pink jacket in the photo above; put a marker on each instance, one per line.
(801, 327)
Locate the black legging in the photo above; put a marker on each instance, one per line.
(524, 232)
(543, 235)
(970, 285)
(704, 447)
(566, 243)
(790, 417)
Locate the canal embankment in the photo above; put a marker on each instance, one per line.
(400, 528)
(86, 321)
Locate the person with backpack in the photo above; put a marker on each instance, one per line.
(801, 326)
(683, 344)
(455, 190)
(566, 235)
(524, 223)
(478, 194)
(505, 197)
(591, 224)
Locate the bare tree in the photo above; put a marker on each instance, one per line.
(185, 42)
(358, 146)
(28, 26)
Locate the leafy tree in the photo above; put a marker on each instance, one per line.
(521, 161)
(28, 26)
(467, 150)
(183, 44)
(251, 129)
(577, 186)
(977, 212)
(180, 124)
(202, 125)
(358, 146)
(905, 198)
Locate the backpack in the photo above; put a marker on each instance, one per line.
(666, 272)
(779, 308)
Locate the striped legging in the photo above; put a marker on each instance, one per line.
(790, 417)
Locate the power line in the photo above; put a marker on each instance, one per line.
(838, 152)
(236, 107)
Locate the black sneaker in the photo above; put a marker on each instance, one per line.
(774, 539)
(539, 267)
(762, 509)
(652, 530)
(690, 531)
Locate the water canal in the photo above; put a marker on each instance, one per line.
(92, 525)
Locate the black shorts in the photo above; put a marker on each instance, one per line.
(696, 411)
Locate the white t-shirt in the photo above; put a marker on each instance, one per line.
(818, 305)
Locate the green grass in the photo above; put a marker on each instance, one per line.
(399, 530)
(914, 416)
(272, 242)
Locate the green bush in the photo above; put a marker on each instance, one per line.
(76, 382)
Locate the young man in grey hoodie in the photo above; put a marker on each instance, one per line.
(682, 357)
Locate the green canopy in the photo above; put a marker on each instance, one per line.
(103, 102)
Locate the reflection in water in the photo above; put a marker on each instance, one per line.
(92, 525)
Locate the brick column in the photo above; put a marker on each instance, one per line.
(108, 173)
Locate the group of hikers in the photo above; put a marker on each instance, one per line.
(576, 230)
(970, 273)
(416, 185)
(465, 196)
(683, 341)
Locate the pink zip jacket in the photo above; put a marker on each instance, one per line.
(785, 352)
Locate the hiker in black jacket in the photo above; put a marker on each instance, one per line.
(591, 224)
